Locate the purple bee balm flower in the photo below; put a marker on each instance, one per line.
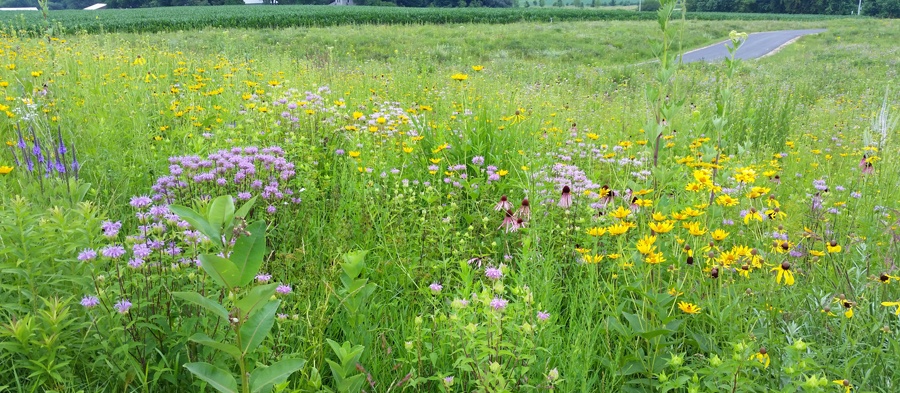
(478, 160)
(271, 209)
(435, 287)
(543, 316)
(493, 273)
(90, 301)
(140, 201)
(135, 263)
(113, 251)
(123, 306)
(87, 255)
(110, 229)
(499, 304)
(283, 289)
(339, 152)
(263, 278)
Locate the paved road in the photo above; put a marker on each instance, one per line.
(757, 45)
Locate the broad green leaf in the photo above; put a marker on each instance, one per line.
(255, 330)
(276, 373)
(354, 263)
(198, 299)
(203, 339)
(220, 379)
(221, 211)
(249, 251)
(198, 222)
(221, 270)
(256, 298)
(245, 208)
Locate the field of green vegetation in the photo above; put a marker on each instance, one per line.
(271, 17)
(457, 207)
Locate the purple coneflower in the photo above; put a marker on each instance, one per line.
(509, 222)
(524, 211)
(565, 199)
(503, 204)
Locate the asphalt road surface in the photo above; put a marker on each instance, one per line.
(757, 45)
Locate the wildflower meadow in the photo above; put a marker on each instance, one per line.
(456, 207)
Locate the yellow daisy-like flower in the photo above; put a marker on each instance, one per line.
(477, 67)
(617, 229)
(784, 272)
(745, 175)
(688, 308)
(833, 247)
(4, 170)
(657, 216)
(719, 235)
(694, 228)
(591, 259)
(645, 245)
(654, 259)
(621, 213)
(726, 200)
(596, 231)
(662, 227)
(354, 154)
(459, 77)
(675, 292)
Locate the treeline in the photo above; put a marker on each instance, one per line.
(881, 8)
(80, 4)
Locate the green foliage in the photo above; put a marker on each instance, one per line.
(193, 18)
(254, 311)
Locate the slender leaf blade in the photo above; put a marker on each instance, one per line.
(221, 211)
(257, 297)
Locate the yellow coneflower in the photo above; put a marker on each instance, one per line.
(688, 308)
(675, 292)
(591, 259)
(657, 216)
(459, 76)
(762, 356)
(833, 247)
(784, 272)
(745, 175)
(845, 384)
(892, 304)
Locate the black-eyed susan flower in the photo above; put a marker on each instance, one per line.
(726, 200)
(784, 273)
(621, 212)
(688, 308)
